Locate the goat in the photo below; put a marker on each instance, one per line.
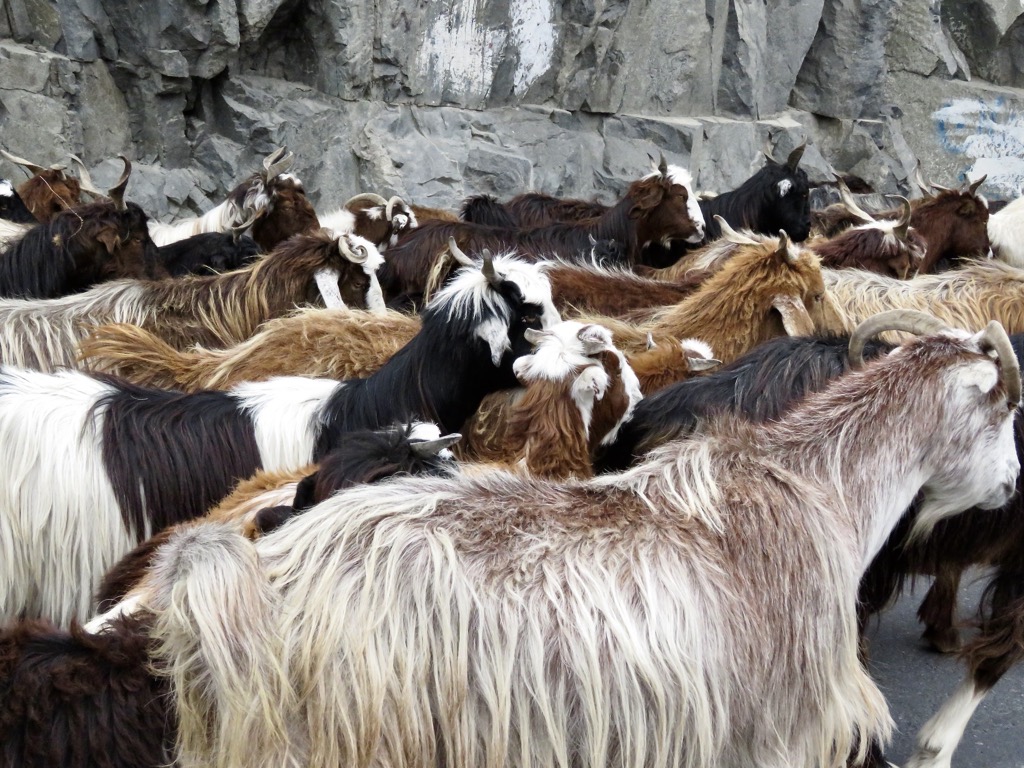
(954, 224)
(425, 213)
(1006, 233)
(768, 288)
(208, 252)
(657, 208)
(266, 500)
(578, 391)
(79, 700)
(592, 622)
(888, 247)
(12, 207)
(968, 297)
(80, 247)
(49, 191)
(380, 221)
(212, 310)
(142, 459)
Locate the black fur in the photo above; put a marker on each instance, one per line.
(65, 256)
(441, 375)
(171, 456)
(208, 252)
(13, 208)
(75, 700)
(486, 210)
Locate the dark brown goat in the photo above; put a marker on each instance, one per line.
(289, 213)
(658, 208)
(614, 292)
(48, 191)
(536, 210)
(372, 217)
(890, 248)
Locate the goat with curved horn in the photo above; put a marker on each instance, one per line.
(389, 211)
(458, 254)
(732, 235)
(908, 320)
(851, 204)
(973, 188)
(116, 192)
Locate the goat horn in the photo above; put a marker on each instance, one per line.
(919, 179)
(390, 210)
(939, 187)
(427, 448)
(273, 157)
(994, 336)
(237, 232)
(851, 205)
(282, 165)
(488, 270)
(793, 161)
(357, 255)
(458, 255)
(973, 189)
(650, 341)
(84, 179)
(909, 320)
(365, 196)
(902, 227)
(662, 165)
(783, 249)
(116, 192)
(732, 235)
(22, 162)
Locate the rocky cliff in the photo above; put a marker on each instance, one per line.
(436, 100)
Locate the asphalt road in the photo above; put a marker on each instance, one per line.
(916, 682)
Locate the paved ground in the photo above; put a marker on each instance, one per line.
(916, 682)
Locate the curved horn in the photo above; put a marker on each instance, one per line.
(427, 448)
(116, 192)
(732, 235)
(662, 165)
(783, 249)
(851, 205)
(84, 179)
(390, 210)
(902, 227)
(973, 188)
(793, 161)
(939, 187)
(488, 269)
(273, 157)
(356, 256)
(919, 180)
(994, 337)
(909, 320)
(371, 197)
(237, 232)
(22, 162)
(276, 165)
(458, 255)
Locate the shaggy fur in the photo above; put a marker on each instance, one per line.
(76, 700)
(208, 252)
(337, 344)
(369, 219)
(875, 248)
(216, 310)
(670, 361)
(77, 249)
(49, 192)
(613, 291)
(761, 292)
(654, 209)
(599, 622)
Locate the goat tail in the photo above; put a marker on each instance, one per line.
(215, 642)
(138, 355)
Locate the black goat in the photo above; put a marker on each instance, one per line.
(208, 252)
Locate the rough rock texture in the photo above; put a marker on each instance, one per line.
(436, 101)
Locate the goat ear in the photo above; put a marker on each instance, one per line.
(110, 239)
(795, 319)
(702, 363)
(595, 338)
(980, 374)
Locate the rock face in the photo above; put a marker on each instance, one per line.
(435, 101)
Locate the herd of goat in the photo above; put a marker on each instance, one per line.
(295, 488)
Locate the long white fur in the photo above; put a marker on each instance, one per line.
(11, 231)
(339, 221)
(1006, 233)
(59, 519)
(220, 218)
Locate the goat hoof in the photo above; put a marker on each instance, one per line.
(942, 640)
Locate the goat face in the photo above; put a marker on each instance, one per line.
(786, 201)
(49, 192)
(979, 465)
(105, 243)
(970, 228)
(12, 207)
(666, 209)
(288, 213)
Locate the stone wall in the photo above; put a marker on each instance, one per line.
(438, 100)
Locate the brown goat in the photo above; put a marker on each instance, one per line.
(424, 214)
(613, 291)
(669, 361)
(215, 310)
(578, 390)
(48, 191)
(372, 217)
(311, 342)
(769, 287)
(890, 248)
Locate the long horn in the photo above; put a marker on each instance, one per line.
(371, 197)
(793, 161)
(919, 180)
(662, 165)
(488, 269)
(458, 255)
(909, 320)
(427, 448)
(22, 162)
(237, 232)
(851, 205)
(273, 157)
(116, 192)
(994, 336)
(731, 234)
(84, 179)
(390, 210)
(277, 164)
(973, 189)
(902, 227)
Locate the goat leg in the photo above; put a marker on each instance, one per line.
(938, 611)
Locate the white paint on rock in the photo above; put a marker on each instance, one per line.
(462, 56)
(991, 131)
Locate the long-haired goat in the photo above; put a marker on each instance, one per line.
(368, 215)
(103, 463)
(657, 208)
(592, 622)
(578, 391)
(48, 191)
(208, 252)
(80, 247)
(216, 310)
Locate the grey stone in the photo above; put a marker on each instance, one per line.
(103, 113)
(44, 20)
